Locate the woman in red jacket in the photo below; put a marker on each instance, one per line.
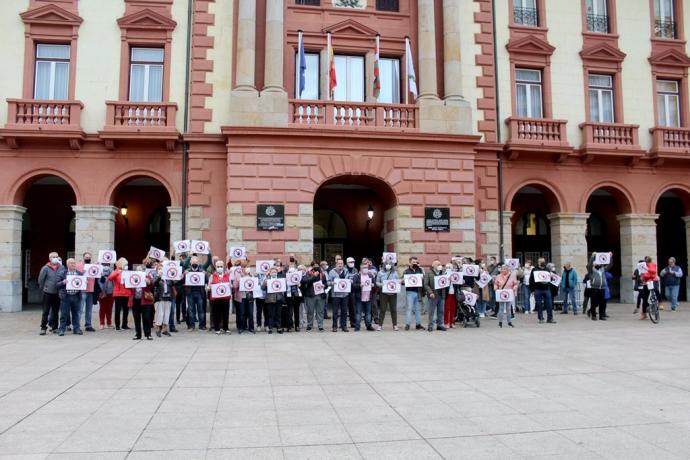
(122, 295)
(220, 307)
(142, 305)
(650, 276)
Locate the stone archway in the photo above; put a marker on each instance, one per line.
(673, 231)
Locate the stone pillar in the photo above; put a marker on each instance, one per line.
(427, 50)
(638, 240)
(568, 241)
(273, 67)
(246, 52)
(303, 248)
(94, 229)
(452, 73)
(687, 246)
(507, 231)
(175, 214)
(11, 252)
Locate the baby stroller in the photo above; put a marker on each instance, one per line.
(467, 314)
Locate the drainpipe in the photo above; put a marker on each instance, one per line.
(501, 236)
(185, 151)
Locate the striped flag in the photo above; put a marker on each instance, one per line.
(377, 78)
(411, 77)
(332, 79)
(302, 64)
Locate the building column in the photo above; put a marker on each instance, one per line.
(687, 246)
(452, 73)
(273, 67)
(175, 214)
(427, 50)
(638, 240)
(11, 253)
(246, 51)
(568, 240)
(94, 229)
(507, 232)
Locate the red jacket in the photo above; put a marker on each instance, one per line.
(650, 274)
(215, 279)
(119, 289)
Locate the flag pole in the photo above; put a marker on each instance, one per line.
(328, 66)
(407, 71)
(299, 63)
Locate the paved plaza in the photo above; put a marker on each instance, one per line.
(579, 389)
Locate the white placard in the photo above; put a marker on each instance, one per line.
(106, 256)
(200, 247)
(555, 280)
(342, 285)
(294, 278)
(263, 266)
(221, 290)
(483, 280)
(238, 252)
(602, 258)
(182, 246)
(194, 279)
(390, 258)
(513, 264)
(441, 282)
(541, 276)
(275, 285)
(642, 267)
(93, 270)
(470, 270)
(319, 288)
(505, 295)
(366, 283)
(155, 253)
(456, 278)
(134, 279)
(172, 272)
(247, 283)
(75, 283)
(470, 298)
(413, 280)
(391, 287)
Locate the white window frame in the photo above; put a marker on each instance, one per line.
(662, 7)
(525, 4)
(529, 87)
(396, 85)
(668, 96)
(147, 65)
(349, 76)
(595, 8)
(53, 64)
(600, 91)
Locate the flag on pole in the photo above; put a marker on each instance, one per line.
(302, 64)
(332, 80)
(377, 79)
(411, 77)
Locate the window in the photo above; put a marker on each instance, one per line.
(528, 89)
(311, 77)
(146, 75)
(388, 5)
(525, 12)
(668, 103)
(664, 24)
(389, 72)
(601, 98)
(597, 17)
(350, 75)
(52, 72)
(308, 2)
(531, 224)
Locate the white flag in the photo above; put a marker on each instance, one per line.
(411, 76)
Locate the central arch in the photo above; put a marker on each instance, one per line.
(341, 217)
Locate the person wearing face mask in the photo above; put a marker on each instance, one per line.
(195, 297)
(47, 278)
(293, 297)
(262, 319)
(220, 308)
(70, 300)
(505, 280)
(314, 303)
(327, 302)
(163, 294)
(598, 284)
(274, 300)
(204, 267)
(450, 304)
(142, 305)
(387, 301)
(121, 295)
(87, 296)
(339, 299)
(245, 315)
(413, 295)
(351, 271)
(362, 298)
(542, 293)
(105, 298)
(436, 297)
(524, 275)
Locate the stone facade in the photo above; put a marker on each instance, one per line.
(10, 250)
(568, 242)
(94, 229)
(638, 240)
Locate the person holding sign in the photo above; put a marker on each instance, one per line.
(569, 282)
(142, 304)
(121, 295)
(389, 301)
(505, 280)
(87, 297)
(650, 282)
(273, 302)
(314, 303)
(540, 285)
(105, 298)
(361, 289)
(598, 283)
(436, 293)
(163, 294)
(195, 295)
(339, 299)
(220, 306)
(70, 298)
(413, 294)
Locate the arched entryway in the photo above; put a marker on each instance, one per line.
(48, 225)
(672, 207)
(604, 204)
(350, 217)
(142, 219)
(531, 234)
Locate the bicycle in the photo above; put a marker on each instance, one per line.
(653, 308)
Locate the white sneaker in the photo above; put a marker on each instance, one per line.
(396, 328)
(379, 328)
(482, 315)
(217, 332)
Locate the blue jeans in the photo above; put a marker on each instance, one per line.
(481, 304)
(340, 308)
(246, 316)
(569, 296)
(543, 300)
(87, 307)
(671, 293)
(412, 303)
(171, 319)
(436, 310)
(359, 306)
(525, 298)
(195, 307)
(70, 305)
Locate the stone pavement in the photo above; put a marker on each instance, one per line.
(579, 389)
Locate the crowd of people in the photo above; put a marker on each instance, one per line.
(291, 297)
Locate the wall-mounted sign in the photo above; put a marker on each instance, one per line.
(437, 219)
(270, 217)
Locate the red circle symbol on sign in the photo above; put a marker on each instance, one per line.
(249, 284)
(220, 290)
(134, 279)
(93, 271)
(200, 247)
(237, 253)
(391, 285)
(505, 296)
(107, 256)
(76, 282)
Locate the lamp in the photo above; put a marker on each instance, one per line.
(370, 212)
(123, 210)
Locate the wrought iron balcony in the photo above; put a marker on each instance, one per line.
(526, 16)
(664, 28)
(598, 23)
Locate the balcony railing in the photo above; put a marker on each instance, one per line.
(526, 16)
(670, 142)
(664, 28)
(598, 23)
(331, 114)
(44, 114)
(610, 134)
(138, 116)
(542, 131)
